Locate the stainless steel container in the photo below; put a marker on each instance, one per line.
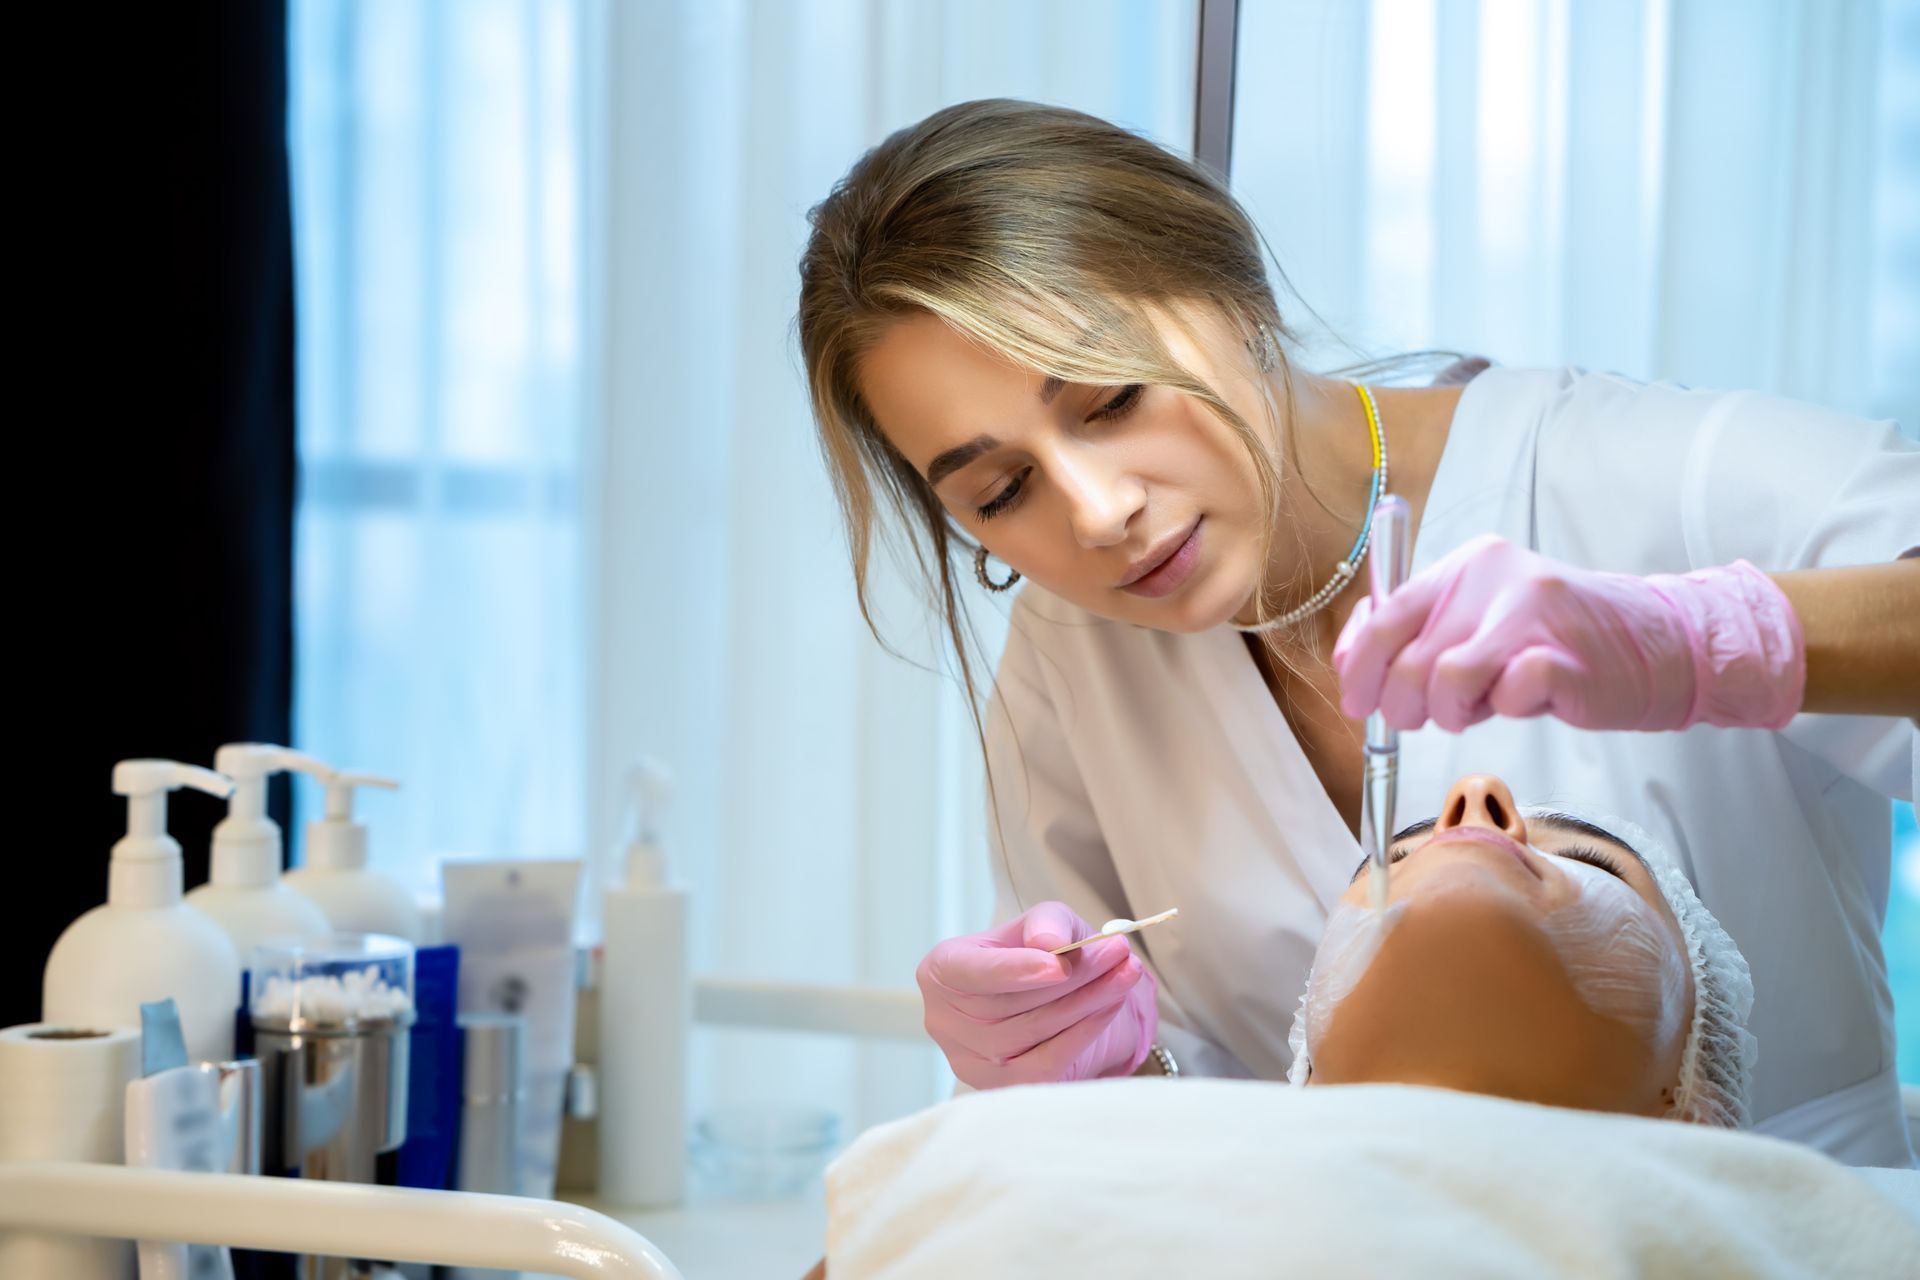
(337, 1098)
(330, 1021)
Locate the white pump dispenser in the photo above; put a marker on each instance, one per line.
(245, 894)
(147, 944)
(334, 871)
(646, 1006)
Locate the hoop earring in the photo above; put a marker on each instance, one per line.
(980, 572)
(1265, 349)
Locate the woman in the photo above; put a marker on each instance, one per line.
(1540, 957)
(1041, 337)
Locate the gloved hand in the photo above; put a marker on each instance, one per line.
(1495, 629)
(1005, 1012)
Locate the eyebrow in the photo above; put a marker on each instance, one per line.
(1565, 821)
(957, 457)
(950, 461)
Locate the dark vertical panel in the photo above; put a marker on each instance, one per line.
(156, 483)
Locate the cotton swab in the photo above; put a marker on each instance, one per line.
(1114, 928)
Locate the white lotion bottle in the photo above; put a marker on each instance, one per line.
(245, 893)
(646, 1002)
(146, 943)
(334, 871)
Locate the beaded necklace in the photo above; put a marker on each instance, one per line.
(1344, 571)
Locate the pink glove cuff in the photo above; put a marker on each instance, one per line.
(1749, 655)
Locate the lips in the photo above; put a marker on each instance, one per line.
(1166, 565)
(1489, 837)
(1159, 554)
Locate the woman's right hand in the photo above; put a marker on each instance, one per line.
(1004, 1011)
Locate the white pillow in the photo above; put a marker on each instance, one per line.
(1218, 1178)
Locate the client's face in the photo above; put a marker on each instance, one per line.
(1527, 959)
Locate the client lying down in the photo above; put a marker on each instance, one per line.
(1537, 956)
(1537, 987)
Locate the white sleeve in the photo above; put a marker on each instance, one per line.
(1042, 832)
(1789, 486)
(1795, 486)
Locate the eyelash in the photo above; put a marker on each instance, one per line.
(1118, 407)
(1579, 853)
(1593, 857)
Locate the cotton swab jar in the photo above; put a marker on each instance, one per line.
(330, 1019)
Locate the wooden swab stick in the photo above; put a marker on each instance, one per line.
(1114, 928)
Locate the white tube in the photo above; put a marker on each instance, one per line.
(295, 1215)
(513, 921)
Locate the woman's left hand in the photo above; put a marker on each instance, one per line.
(1495, 629)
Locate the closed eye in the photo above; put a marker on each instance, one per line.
(1593, 857)
(1579, 853)
(1393, 855)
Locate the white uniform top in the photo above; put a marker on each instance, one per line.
(1137, 769)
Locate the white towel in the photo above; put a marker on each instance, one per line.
(1217, 1178)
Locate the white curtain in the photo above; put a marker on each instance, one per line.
(829, 820)
(436, 156)
(1723, 192)
(561, 502)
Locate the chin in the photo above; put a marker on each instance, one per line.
(1191, 612)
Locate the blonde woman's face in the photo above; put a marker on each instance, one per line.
(1135, 502)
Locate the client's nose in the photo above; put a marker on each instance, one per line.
(1482, 800)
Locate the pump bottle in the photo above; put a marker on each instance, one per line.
(334, 871)
(245, 894)
(145, 943)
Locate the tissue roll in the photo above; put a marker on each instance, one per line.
(63, 1097)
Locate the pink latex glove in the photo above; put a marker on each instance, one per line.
(1005, 1012)
(1495, 629)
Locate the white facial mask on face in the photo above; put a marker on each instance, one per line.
(1623, 962)
(1620, 958)
(1347, 948)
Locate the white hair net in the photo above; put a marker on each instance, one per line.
(1716, 1065)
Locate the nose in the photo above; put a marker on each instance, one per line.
(1101, 499)
(1482, 800)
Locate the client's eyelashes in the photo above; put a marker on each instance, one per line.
(1579, 853)
(1593, 857)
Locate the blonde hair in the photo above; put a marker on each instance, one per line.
(1052, 238)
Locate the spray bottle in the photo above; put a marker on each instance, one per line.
(645, 1010)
